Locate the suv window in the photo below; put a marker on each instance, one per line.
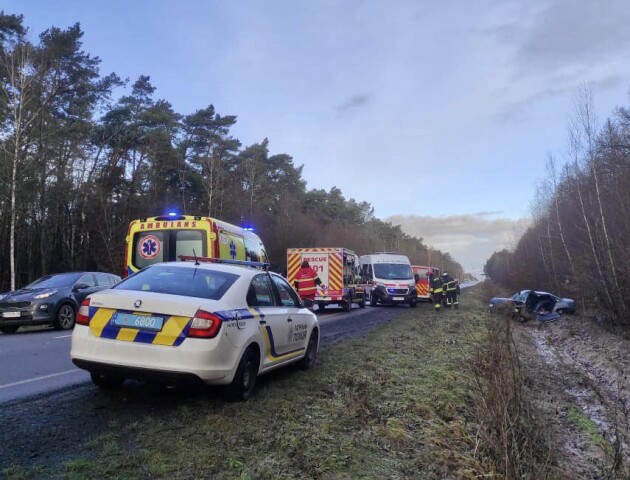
(102, 280)
(87, 280)
(287, 294)
(260, 293)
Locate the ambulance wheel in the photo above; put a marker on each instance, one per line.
(373, 300)
(244, 382)
(106, 382)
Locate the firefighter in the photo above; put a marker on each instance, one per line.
(306, 282)
(436, 289)
(450, 287)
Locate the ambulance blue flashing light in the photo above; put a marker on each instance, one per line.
(248, 229)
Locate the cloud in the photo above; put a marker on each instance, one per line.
(469, 238)
(353, 102)
(558, 34)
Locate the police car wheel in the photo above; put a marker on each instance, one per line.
(310, 357)
(244, 382)
(106, 382)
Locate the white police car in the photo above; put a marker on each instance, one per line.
(206, 319)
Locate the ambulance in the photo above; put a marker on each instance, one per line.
(338, 270)
(389, 279)
(422, 280)
(165, 238)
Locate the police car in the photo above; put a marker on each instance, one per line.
(216, 321)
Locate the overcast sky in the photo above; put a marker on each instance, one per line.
(435, 112)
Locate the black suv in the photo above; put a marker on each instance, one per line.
(51, 299)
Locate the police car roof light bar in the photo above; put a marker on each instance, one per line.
(244, 263)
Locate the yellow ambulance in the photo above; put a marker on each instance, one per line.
(164, 238)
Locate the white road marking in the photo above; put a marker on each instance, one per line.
(64, 336)
(37, 379)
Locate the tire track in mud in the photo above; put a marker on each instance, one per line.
(577, 383)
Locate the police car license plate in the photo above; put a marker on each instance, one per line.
(10, 314)
(399, 299)
(131, 320)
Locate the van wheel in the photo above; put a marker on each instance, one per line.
(244, 382)
(373, 300)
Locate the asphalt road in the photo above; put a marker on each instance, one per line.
(36, 361)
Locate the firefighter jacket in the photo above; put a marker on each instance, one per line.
(436, 285)
(450, 285)
(306, 282)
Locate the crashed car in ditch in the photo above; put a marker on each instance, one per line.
(528, 304)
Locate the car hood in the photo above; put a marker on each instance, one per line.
(23, 295)
(153, 302)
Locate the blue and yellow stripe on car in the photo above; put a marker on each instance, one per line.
(270, 346)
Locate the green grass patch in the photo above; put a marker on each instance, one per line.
(588, 427)
(393, 404)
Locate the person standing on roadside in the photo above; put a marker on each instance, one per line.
(450, 289)
(436, 288)
(306, 282)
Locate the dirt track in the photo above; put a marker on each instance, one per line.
(576, 373)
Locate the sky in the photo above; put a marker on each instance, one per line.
(440, 114)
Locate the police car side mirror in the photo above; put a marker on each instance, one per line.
(307, 303)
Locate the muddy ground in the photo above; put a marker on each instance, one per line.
(576, 372)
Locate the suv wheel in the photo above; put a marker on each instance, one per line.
(65, 317)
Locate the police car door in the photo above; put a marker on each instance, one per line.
(274, 324)
(297, 317)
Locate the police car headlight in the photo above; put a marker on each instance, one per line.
(47, 294)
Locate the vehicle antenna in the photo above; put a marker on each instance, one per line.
(196, 259)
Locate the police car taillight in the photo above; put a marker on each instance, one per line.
(83, 315)
(204, 325)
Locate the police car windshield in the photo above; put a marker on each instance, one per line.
(184, 281)
(393, 271)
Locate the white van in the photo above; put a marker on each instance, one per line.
(388, 278)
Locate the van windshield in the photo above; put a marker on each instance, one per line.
(393, 271)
